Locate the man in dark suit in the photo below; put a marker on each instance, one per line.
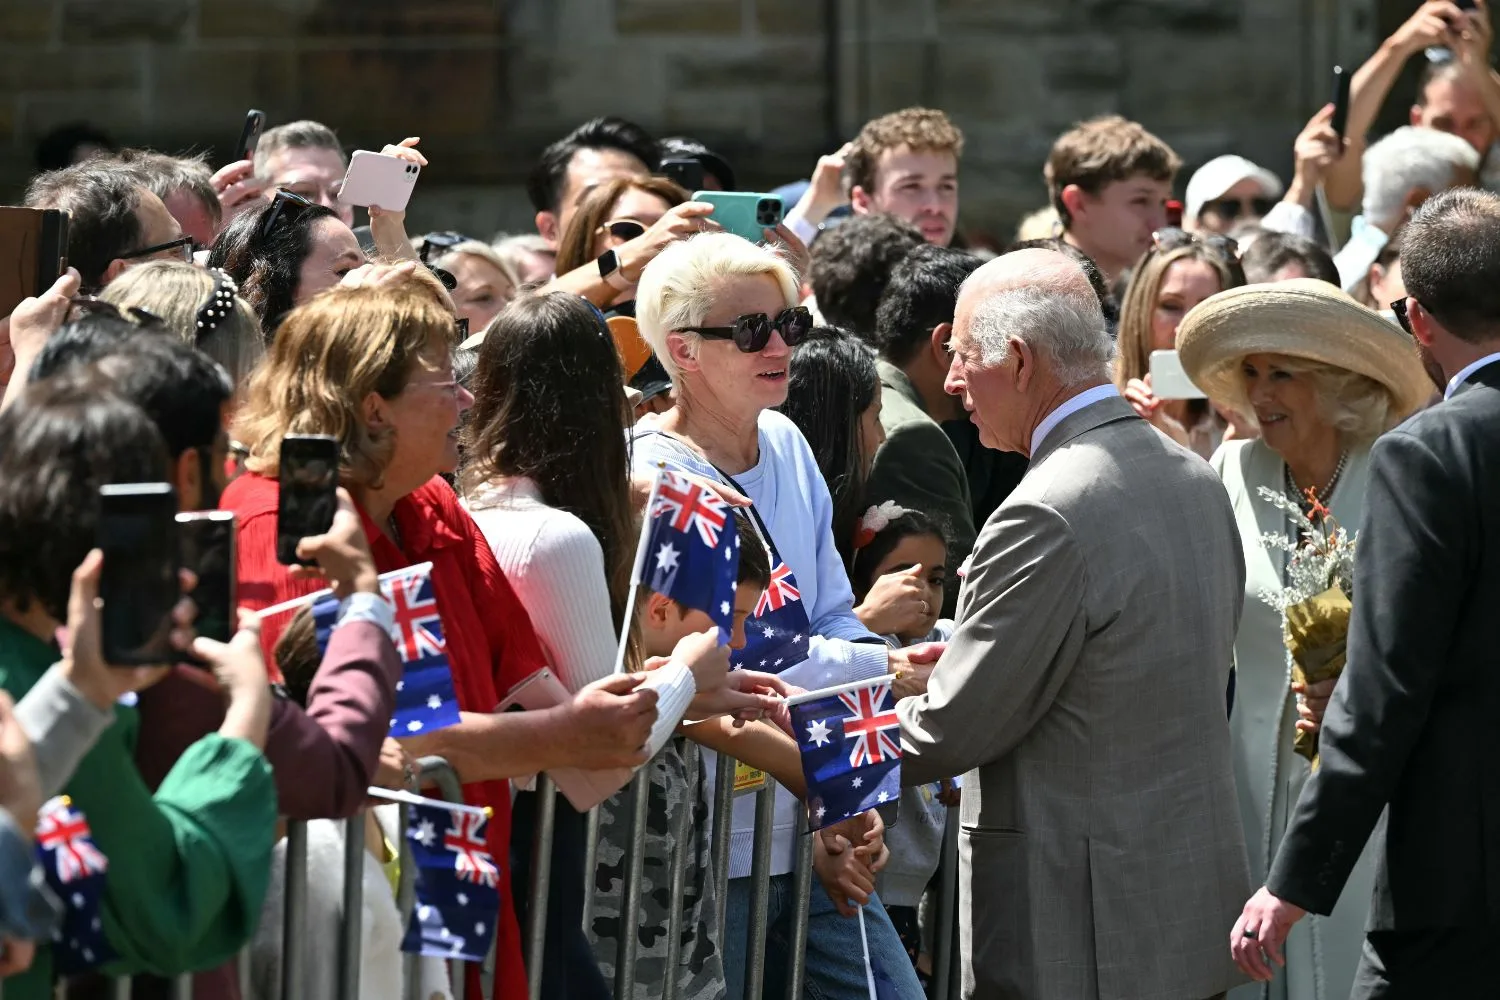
(1410, 727)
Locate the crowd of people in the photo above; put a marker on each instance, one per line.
(974, 472)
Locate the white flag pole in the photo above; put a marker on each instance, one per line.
(839, 689)
(297, 602)
(639, 568)
(865, 944)
(421, 800)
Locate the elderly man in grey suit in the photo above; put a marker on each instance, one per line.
(1084, 689)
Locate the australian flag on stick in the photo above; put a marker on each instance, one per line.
(850, 739)
(693, 549)
(458, 894)
(75, 869)
(776, 635)
(425, 698)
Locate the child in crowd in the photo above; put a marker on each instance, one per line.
(892, 539)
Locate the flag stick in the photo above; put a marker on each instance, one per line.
(865, 943)
(411, 798)
(806, 696)
(297, 602)
(637, 570)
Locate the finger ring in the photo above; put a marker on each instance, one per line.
(1250, 933)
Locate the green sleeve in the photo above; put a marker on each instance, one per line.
(188, 868)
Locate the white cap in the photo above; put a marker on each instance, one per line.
(1220, 174)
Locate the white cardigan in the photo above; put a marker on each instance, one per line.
(556, 567)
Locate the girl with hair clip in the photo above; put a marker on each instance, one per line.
(896, 544)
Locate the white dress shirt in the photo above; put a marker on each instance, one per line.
(1071, 406)
(1462, 376)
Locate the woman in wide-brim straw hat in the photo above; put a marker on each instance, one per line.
(1322, 377)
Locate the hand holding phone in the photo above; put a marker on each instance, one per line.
(341, 556)
(208, 552)
(743, 213)
(140, 583)
(1341, 82)
(255, 121)
(309, 479)
(1168, 378)
(83, 658)
(380, 180)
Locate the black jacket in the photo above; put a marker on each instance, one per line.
(1414, 724)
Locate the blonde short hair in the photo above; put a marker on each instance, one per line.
(486, 253)
(175, 291)
(678, 288)
(329, 354)
(1357, 406)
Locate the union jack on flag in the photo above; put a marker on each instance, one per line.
(457, 883)
(425, 696)
(783, 588)
(75, 869)
(850, 747)
(692, 507)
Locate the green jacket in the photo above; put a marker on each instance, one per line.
(188, 867)
(918, 468)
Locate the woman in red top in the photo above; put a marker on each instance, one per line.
(371, 365)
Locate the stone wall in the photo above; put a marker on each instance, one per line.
(487, 83)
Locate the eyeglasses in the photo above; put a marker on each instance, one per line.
(435, 244)
(1234, 208)
(1171, 238)
(182, 244)
(1398, 308)
(283, 205)
(80, 305)
(623, 229)
(752, 331)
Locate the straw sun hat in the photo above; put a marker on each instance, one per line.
(1304, 318)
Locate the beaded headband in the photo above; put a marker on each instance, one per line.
(220, 302)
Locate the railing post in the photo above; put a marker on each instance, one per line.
(723, 829)
(801, 904)
(760, 888)
(351, 932)
(406, 898)
(590, 865)
(630, 904)
(294, 922)
(541, 883)
(684, 847)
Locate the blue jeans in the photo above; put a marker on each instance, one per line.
(835, 959)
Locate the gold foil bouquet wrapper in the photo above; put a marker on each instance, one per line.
(1317, 635)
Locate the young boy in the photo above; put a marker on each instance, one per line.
(1109, 180)
(676, 787)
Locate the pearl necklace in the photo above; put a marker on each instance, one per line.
(1318, 496)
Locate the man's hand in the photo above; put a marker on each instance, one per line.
(795, 250)
(238, 189)
(1312, 702)
(27, 328)
(1260, 932)
(913, 666)
(1477, 36)
(1318, 146)
(825, 192)
(20, 785)
(83, 658)
(342, 554)
(1435, 23)
(606, 725)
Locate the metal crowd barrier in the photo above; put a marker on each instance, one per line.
(436, 771)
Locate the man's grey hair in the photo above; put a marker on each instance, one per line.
(165, 176)
(305, 134)
(1065, 328)
(1411, 157)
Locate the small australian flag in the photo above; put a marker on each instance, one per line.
(76, 870)
(425, 698)
(851, 751)
(457, 882)
(693, 550)
(776, 634)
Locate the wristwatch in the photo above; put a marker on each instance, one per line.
(609, 270)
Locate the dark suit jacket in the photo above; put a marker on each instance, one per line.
(1411, 727)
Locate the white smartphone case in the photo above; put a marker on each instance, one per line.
(1169, 380)
(380, 180)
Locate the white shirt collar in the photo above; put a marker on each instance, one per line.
(1461, 377)
(1067, 409)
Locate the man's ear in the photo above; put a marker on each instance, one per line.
(1025, 363)
(546, 227)
(1423, 326)
(938, 343)
(1075, 201)
(187, 479)
(114, 270)
(860, 201)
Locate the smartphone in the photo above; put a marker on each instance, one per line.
(255, 121)
(309, 479)
(139, 585)
(686, 173)
(1341, 80)
(206, 539)
(743, 213)
(1168, 380)
(33, 253)
(378, 179)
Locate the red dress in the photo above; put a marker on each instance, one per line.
(491, 643)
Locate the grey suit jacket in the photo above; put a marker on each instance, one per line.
(1101, 849)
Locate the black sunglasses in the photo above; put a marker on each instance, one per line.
(1235, 208)
(1172, 238)
(752, 331)
(183, 243)
(280, 205)
(1398, 308)
(623, 229)
(436, 244)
